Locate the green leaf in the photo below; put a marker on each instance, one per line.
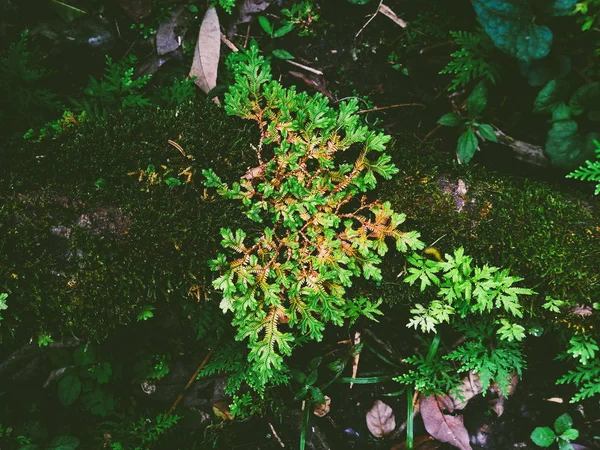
(64, 443)
(543, 436)
(283, 30)
(69, 389)
(451, 120)
(586, 98)
(359, 2)
(512, 26)
(569, 435)
(477, 101)
(467, 145)
(30, 447)
(562, 7)
(317, 396)
(563, 423)
(563, 445)
(265, 25)
(282, 54)
(566, 148)
(487, 132)
(298, 376)
(84, 355)
(551, 95)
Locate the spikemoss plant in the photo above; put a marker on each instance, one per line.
(314, 167)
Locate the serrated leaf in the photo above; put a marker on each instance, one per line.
(477, 101)
(563, 423)
(467, 145)
(380, 419)
(487, 132)
(543, 436)
(69, 389)
(206, 55)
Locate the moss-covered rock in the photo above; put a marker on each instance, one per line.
(111, 219)
(538, 230)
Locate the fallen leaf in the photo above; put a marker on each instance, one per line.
(207, 52)
(356, 357)
(315, 82)
(469, 387)
(386, 11)
(321, 410)
(441, 426)
(221, 410)
(137, 9)
(170, 34)
(380, 419)
(424, 442)
(250, 7)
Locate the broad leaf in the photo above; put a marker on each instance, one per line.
(69, 389)
(513, 28)
(543, 436)
(487, 132)
(380, 419)
(451, 120)
(282, 54)
(566, 148)
(551, 95)
(586, 98)
(563, 423)
(562, 7)
(444, 427)
(64, 443)
(207, 52)
(265, 25)
(467, 145)
(477, 101)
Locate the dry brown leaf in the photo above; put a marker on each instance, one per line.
(444, 427)
(469, 387)
(321, 410)
(380, 419)
(356, 358)
(221, 410)
(207, 52)
(386, 11)
(170, 34)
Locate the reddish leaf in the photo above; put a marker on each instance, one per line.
(380, 419)
(444, 427)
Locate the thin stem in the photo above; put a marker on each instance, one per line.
(305, 418)
(409, 418)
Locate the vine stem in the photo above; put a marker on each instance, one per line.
(190, 382)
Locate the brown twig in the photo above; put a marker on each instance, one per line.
(302, 66)
(190, 382)
(428, 135)
(276, 435)
(370, 19)
(383, 108)
(177, 146)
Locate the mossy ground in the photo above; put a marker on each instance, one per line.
(86, 244)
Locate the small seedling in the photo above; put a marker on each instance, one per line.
(563, 434)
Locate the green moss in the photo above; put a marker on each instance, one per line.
(537, 230)
(81, 255)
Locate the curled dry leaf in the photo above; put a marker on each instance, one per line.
(386, 11)
(321, 410)
(380, 419)
(207, 52)
(444, 427)
(221, 410)
(471, 386)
